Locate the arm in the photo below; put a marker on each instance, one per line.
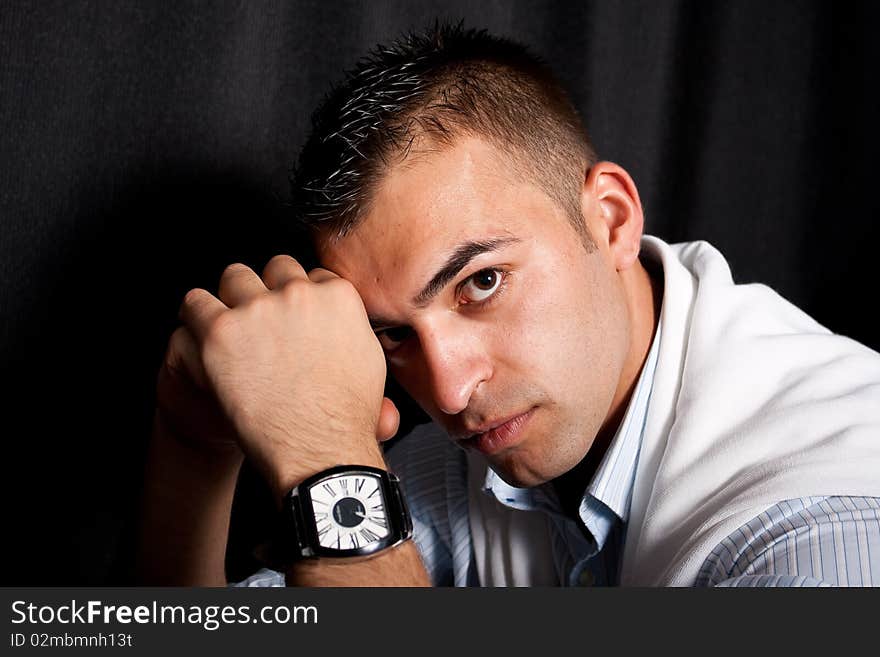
(287, 371)
(193, 461)
(185, 512)
(820, 541)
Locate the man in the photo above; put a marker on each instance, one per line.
(628, 414)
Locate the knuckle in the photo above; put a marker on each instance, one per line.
(279, 263)
(321, 273)
(177, 340)
(193, 296)
(341, 286)
(295, 289)
(281, 258)
(233, 269)
(173, 364)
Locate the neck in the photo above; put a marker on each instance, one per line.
(644, 298)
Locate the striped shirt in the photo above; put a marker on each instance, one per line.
(813, 541)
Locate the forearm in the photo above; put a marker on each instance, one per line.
(186, 509)
(287, 369)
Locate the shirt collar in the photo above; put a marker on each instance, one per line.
(612, 482)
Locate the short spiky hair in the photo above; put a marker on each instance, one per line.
(440, 85)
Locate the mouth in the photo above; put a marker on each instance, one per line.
(497, 436)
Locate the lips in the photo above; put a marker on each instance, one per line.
(494, 437)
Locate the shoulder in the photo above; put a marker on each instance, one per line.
(753, 402)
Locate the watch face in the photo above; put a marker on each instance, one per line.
(349, 511)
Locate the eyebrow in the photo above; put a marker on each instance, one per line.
(459, 259)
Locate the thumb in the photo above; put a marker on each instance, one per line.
(389, 420)
(182, 357)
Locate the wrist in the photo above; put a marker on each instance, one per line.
(339, 515)
(401, 566)
(288, 472)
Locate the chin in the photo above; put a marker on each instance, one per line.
(527, 468)
(519, 474)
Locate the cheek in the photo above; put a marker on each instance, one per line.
(549, 326)
(525, 336)
(567, 338)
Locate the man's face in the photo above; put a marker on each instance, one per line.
(489, 308)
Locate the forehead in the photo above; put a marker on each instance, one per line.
(429, 204)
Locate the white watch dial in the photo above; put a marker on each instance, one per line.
(349, 511)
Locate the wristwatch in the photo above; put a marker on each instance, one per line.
(345, 512)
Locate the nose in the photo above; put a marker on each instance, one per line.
(456, 362)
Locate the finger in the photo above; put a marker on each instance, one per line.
(183, 356)
(280, 270)
(389, 421)
(181, 377)
(185, 403)
(319, 275)
(198, 310)
(238, 284)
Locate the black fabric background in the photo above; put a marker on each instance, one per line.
(145, 145)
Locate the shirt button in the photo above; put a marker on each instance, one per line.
(586, 578)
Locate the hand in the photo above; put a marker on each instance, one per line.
(188, 408)
(287, 365)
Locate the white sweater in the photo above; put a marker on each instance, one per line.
(753, 402)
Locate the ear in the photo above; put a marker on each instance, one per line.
(613, 212)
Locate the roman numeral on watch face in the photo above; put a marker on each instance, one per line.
(369, 536)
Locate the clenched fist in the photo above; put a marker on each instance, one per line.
(284, 367)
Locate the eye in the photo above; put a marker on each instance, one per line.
(481, 285)
(390, 338)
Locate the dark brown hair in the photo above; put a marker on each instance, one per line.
(439, 85)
